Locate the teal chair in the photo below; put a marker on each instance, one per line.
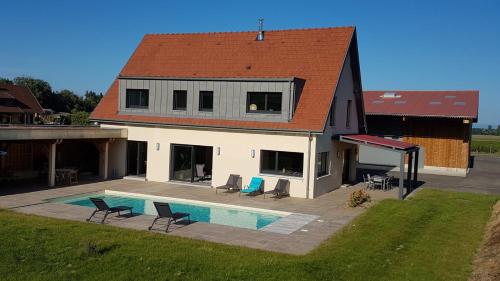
(256, 185)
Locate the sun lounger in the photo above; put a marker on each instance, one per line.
(164, 212)
(256, 186)
(102, 207)
(231, 184)
(281, 189)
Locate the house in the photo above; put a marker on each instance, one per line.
(199, 107)
(18, 105)
(440, 122)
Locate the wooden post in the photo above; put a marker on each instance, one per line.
(106, 160)
(415, 173)
(401, 175)
(410, 166)
(52, 164)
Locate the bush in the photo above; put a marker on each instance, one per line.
(358, 197)
(79, 118)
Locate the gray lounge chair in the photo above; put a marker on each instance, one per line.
(231, 184)
(281, 189)
(164, 211)
(101, 206)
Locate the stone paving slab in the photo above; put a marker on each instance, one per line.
(289, 224)
(321, 217)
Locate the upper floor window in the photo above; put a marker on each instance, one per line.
(180, 100)
(332, 111)
(264, 102)
(206, 101)
(348, 117)
(137, 98)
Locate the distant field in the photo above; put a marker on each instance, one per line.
(486, 144)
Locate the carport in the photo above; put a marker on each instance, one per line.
(53, 137)
(403, 148)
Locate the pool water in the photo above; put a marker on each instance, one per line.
(199, 212)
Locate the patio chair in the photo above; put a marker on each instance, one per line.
(369, 181)
(73, 177)
(164, 212)
(256, 186)
(101, 206)
(281, 189)
(200, 172)
(231, 184)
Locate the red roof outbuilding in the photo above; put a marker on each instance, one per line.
(449, 104)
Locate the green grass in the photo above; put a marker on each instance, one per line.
(486, 144)
(432, 236)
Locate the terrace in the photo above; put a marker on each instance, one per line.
(329, 211)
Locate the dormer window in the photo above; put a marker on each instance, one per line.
(264, 102)
(137, 98)
(180, 100)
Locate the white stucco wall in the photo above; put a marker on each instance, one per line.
(235, 153)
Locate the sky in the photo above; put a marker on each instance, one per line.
(403, 45)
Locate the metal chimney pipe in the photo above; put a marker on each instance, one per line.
(260, 36)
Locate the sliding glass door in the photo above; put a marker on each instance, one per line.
(137, 155)
(182, 162)
(191, 163)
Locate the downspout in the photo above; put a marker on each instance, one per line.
(308, 163)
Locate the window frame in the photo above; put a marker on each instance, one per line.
(201, 98)
(142, 93)
(348, 114)
(332, 112)
(276, 170)
(323, 164)
(266, 97)
(175, 100)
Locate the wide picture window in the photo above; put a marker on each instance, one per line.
(282, 163)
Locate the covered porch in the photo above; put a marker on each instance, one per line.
(59, 153)
(406, 151)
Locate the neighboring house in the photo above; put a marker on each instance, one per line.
(440, 122)
(199, 107)
(17, 105)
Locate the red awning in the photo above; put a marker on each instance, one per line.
(378, 141)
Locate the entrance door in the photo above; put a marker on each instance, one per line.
(345, 167)
(137, 155)
(191, 163)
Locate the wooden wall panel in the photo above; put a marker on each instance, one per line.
(446, 141)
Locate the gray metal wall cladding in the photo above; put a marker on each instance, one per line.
(230, 98)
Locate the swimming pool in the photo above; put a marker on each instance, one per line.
(231, 215)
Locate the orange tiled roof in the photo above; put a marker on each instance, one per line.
(314, 55)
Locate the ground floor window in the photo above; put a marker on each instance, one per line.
(282, 163)
(323, 164)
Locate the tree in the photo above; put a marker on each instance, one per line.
(66, 101)
(6, 81)
(90, 100)
(40, 88)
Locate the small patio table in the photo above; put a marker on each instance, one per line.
(382, 180)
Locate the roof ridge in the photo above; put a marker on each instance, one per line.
(250, 31)
(418, 91)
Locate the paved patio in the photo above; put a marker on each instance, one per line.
(330, 209)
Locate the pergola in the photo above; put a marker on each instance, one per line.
(403, 148)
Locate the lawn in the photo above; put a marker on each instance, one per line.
(432, 236)
(486, 144)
